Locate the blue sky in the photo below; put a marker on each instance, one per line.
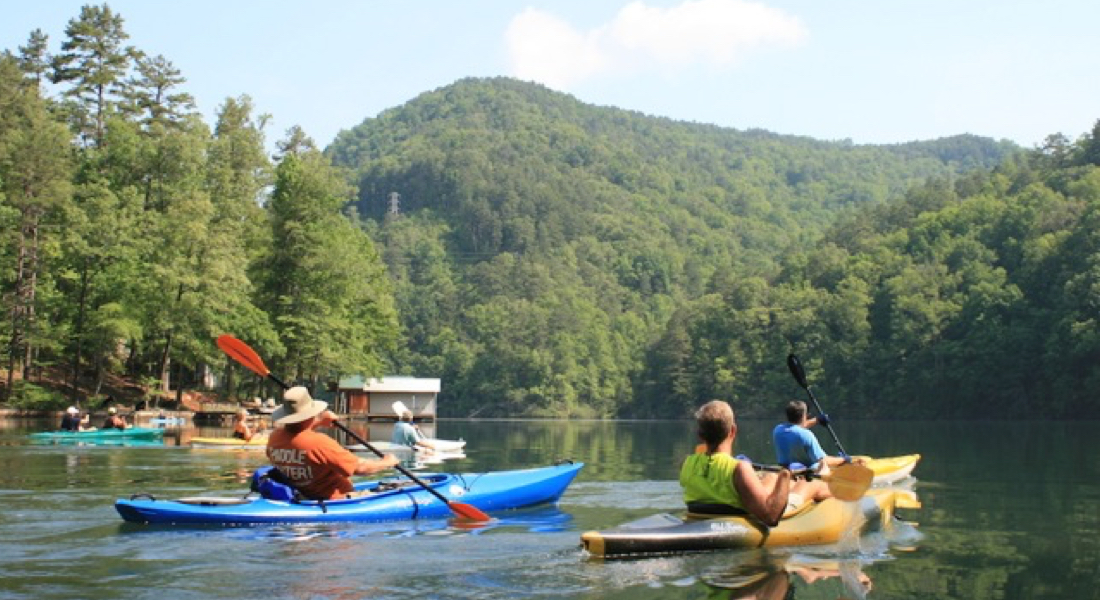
(877, 71)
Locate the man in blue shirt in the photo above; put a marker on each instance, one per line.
(795, 443)
(406, 433)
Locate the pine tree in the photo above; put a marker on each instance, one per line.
(35, 169)
(94, 62)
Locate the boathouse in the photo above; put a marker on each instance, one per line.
(372, 398)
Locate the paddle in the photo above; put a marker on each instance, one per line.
(847, 482)
(800, 376)
(850, 480)
(242, 353)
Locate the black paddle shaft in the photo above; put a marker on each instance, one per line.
(800, 376)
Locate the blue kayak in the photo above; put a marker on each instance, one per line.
(393, 499)
(101, 434)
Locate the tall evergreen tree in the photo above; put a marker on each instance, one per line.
(34, 58)
(93, 62)
(325, 285)
(153, 93)
(238, 174)
(35, 171)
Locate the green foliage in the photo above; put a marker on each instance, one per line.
(129, 253)
(948, 305)
(600, 262)
(324, 287)
(29, 396)
(93, 60)
(543, 257)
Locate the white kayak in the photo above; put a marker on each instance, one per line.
(454, 448)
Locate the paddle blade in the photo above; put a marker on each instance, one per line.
(795, 366)
(399, 408)
(849, 482)
(242, 353)
(468, 511)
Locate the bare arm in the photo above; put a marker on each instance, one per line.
(368, 466)
(763, 502)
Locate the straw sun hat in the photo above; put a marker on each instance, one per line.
(298, 406)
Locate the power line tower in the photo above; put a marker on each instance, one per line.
(395, 204)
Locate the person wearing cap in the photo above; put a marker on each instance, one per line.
(241, 429)
(114, 421)
(316, 465)
(406, 434)
(71, 421)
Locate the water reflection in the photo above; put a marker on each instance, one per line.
(831, 571)
(765, 575)
(988, 535)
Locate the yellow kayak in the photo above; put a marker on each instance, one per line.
(890, 469)
(256, 443)
(815, 523)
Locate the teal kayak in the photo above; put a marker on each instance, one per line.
(101, 434)
(393, 499)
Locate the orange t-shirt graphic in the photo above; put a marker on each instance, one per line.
(317, 465)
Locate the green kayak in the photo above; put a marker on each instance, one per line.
(143, 433)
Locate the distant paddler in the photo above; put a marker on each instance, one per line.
(405, 433)
(241, 428)
(114, 420)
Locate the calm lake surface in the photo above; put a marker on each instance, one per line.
(1010, 510)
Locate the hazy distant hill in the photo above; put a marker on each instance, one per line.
(516, 152)
(544, 243)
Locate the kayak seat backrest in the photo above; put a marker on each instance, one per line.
(705, 510)
(272, 484)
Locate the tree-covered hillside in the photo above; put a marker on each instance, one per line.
(132, 233)
(542, 256)
(548, 255)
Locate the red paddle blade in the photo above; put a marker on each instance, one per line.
(468, 511)
(242, 353)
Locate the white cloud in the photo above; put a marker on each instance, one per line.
(716, 33)
(545, 48)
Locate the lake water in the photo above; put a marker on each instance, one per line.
(1010, 510)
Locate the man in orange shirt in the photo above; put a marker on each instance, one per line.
(316, 465)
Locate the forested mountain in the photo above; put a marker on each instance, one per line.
(555, 258)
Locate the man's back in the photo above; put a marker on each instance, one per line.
(404, 434)
(794, 443)
(317, 466)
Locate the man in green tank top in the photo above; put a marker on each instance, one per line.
(715, 482)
